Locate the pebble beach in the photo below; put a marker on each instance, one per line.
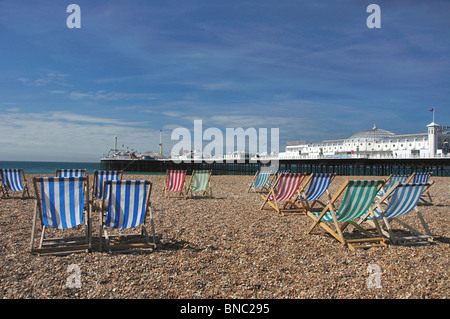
(225, 247)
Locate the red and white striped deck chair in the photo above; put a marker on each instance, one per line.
(282, 198)
(174, 184)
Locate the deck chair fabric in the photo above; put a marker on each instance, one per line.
(423, 178)
(403, 199)
(275, 177)
(127, 208)
(391, 180)
(71, 172)
(14, 180)
(61, 203)
(358, 199)
(260, 181)
(200, 182)
(282, 198)
(102, 176)
(174, 184)
(318, 184)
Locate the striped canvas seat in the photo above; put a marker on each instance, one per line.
(423, 178)
(100, 177)
(261, 179)
(127, 208)
(318, 184)
(286, 192)
(174, 183)
(200, 182)
(62, 203)
(391, 181)
(403, 199)
(358, 198)
(13, 179)
(70, 172)
(275, 177)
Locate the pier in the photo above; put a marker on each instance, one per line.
(340, 166)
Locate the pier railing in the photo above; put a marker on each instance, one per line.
(340, 166)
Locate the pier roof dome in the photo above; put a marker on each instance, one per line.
(373, 134)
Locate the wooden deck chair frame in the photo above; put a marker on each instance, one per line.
(95, 199)
(426, 196)
(377, 240)
(289, 206)
(260, 188)
(206, 191)
(167, 193)
(112, 241)
(380, 207)
(61, 172)
(303, 199)
(60, 245)
(5, 189)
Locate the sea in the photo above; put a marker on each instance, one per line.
(36, 168)
(45, 168)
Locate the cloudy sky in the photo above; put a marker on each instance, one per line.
(313, 69)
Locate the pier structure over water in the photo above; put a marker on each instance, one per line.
(340, 166)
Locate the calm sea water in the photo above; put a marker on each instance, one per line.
(49, 167)
(36, 168)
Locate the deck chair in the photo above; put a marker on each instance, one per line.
(260, 182)
(13, 180)
(174, 184)
(100, 177)
(402, 199)
(275, 177)
(200, 182)
(358, 198)
(71, 172)
(318, 184)
(282, 198)
(423, 178)
(62, 204)
(390, 181)
(127, 208)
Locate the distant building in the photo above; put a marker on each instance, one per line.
(376, 143)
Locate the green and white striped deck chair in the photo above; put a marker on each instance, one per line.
(13, 180)
(358, 198)
(400, 200)
(200, 182)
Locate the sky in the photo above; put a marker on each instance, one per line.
(312, 69)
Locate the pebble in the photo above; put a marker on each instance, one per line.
(225, 247)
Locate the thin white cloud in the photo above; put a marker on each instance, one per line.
(109, 96)
(65, 136)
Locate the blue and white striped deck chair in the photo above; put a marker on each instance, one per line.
(422, 178)
(127, 208)
(13, 179)
(260, 181)
(62, 204)
(391, 180)
(71, 172)
(358, 199)
(400, 200)
(100, 177)
(318, 184)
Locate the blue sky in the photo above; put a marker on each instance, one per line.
(313, 69)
